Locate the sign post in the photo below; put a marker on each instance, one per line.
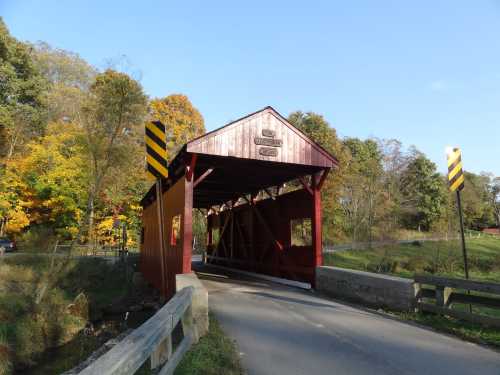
(456, 183)
(157, 168)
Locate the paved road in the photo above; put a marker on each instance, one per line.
(281, 330)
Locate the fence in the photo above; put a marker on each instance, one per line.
(152, 340)
(448, 291)
(89, 250)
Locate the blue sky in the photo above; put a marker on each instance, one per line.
(425, 72)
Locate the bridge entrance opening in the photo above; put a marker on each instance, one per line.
(258, 183)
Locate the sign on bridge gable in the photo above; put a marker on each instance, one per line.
(263, 135)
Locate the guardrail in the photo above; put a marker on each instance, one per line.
(152, 340)
(448, 291)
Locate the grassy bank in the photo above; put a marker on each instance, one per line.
(434, 257)
(45, 302)
(214, 354)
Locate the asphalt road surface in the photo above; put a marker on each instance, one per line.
(287, 331)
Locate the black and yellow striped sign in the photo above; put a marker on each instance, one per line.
(156, 150)
(455, 172)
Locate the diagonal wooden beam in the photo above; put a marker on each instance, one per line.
(202, 177)
(305, 185)
(322, 179)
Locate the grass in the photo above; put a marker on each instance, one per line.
(214, 354)
(439, 258)
(39, 308)
(434, 257)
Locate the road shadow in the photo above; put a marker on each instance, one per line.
(290, 299)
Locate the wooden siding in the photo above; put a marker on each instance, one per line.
(238, 140)
(176, 201)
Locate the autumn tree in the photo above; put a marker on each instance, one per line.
(113, 111)
(182, 120)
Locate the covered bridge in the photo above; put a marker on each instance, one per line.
(259, 180)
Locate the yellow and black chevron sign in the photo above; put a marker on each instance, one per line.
(156, 150)
(455, 172)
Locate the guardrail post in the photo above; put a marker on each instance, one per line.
(162, 354)
(188, 326)
(443, 296)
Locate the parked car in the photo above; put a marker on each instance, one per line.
(7, 245)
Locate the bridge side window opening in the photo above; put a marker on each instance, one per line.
(301, 232)
(176, 230)
(143, 231)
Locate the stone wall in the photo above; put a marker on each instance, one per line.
(372, 289)
(200, 300)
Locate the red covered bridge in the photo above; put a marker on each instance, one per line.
(259, 179)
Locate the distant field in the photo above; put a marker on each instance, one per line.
(436, 257)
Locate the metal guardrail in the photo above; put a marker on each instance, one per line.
(448, 291)
(152, 340)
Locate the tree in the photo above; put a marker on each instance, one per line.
(424, 193)
(320, 131)
(495, 198)
(182, 120)
(54, 174)
(112, 114)
(477, 206)
(69, 78)
(22, 88)
(362, 188)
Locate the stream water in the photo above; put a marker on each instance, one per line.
(65, 357)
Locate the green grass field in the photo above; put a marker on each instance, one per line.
(442, 258)
(435, 257)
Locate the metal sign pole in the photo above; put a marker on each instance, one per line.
(464, 249)
(159, 208)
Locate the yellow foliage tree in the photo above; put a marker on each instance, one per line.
(182, 120)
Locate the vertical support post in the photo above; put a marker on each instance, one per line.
(462, 234)
(161, 235)
(316, 222)
(464, 249)
(162, 353)
(231, 234)
(187, 245)
(210, 238)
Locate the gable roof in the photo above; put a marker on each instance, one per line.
(263, 135)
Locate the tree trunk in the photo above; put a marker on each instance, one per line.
(3, 224)
(90, 212)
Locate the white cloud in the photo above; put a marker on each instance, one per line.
(438, 85)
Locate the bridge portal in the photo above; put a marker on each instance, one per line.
(258, 180)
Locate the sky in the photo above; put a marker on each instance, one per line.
(424, 72)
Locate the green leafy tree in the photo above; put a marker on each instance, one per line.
(69, 78)
(112, 117)
(362, 188)
(22, 109)
(319, 130)
(424, 193)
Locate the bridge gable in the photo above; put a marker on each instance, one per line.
(264, 135)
